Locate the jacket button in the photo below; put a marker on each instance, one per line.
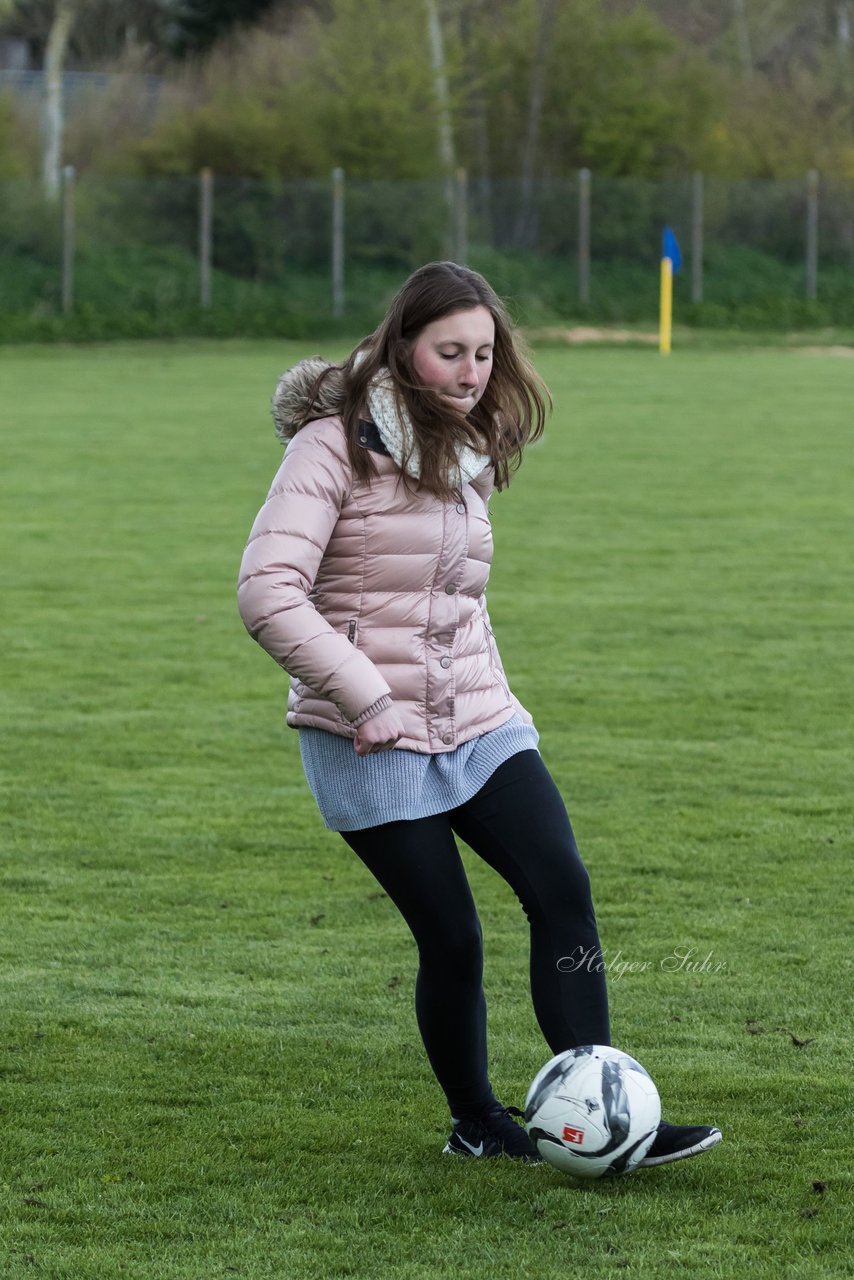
(461, 507)
(444, 662)
(450, 589)
(448, 738)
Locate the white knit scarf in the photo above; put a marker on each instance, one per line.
(396, 432)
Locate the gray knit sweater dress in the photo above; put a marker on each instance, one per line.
(353, 792)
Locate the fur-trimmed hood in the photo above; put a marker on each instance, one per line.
(295, 401)
(298, 401)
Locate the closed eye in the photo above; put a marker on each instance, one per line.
(455, 355)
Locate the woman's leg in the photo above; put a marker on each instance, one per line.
(419, 866)
(518, 823)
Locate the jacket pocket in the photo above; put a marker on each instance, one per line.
(494, 660)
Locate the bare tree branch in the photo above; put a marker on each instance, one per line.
(743, 35)
(447, 153)
(57, 44)
(545, 28)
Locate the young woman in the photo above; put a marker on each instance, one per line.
(364, 578)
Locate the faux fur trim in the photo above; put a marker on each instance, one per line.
(295, 402)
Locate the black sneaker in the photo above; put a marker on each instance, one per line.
(678, 1141)
(491, 1133)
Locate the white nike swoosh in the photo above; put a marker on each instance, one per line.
(476, 1151)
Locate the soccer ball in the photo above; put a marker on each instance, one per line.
(592, 1111)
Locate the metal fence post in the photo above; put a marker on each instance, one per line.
(68, 237)
(697, 237)
(461, 247)
(337, 243)
(205, 235)
(812, 234)
(584, 235)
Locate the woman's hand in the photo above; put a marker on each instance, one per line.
(380, 733)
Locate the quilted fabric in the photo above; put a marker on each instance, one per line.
(368, 595)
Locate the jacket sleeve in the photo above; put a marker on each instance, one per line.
(286, 545)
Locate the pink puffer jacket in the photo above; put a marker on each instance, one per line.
(369, 596)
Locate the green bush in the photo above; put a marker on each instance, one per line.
(14, 160)
(133, 291)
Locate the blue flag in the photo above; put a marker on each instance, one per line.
(670, 248)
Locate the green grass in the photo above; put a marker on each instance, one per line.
(209, 1064)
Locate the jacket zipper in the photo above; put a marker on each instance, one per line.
(489, 647)
(351, 631)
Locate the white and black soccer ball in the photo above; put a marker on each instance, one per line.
(593, 1111)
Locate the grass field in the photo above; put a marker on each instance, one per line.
(209, 1064)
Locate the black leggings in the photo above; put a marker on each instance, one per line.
(518, 824)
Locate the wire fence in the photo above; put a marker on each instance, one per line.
(27, 86)
(559, 248)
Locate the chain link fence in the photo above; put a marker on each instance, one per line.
(80, 90)
(259, 255)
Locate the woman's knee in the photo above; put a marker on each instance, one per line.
(455, 948)
(554, 882)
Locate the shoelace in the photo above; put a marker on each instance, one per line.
(496, 1112)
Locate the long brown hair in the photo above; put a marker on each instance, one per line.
(510, 414)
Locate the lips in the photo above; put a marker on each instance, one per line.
(461, 404)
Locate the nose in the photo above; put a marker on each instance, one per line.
(468, 373)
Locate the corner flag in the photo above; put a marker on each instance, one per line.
(671, 261)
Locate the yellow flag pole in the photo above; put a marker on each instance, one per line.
(666, 307)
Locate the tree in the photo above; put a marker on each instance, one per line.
(742, 31)
(445, 137)
(546, 14)
(102, 29)
(374, 89)
(57, 44)
(354, 89)
(59, 17)
(197, 24)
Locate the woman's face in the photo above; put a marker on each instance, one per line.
(453, 356)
